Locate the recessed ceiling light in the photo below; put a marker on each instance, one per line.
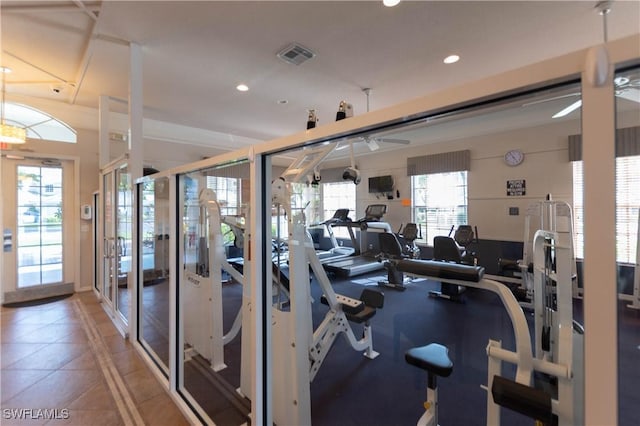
(451, 59)
(242, 87)
(390, 3)
(5, 70)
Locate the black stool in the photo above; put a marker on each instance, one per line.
(434, 358)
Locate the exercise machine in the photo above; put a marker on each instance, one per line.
(203, 321)
(634, 298)
(454, 249)
(341, 216)
(407, 237)
(301, 350)
(555, 393)
(434, 359)
(549, 215)
(395, 247)
(365, 260)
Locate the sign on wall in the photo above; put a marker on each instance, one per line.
(516, 187)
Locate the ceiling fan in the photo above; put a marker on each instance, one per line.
(373, 142)
(624, 87)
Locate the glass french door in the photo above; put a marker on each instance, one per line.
(37, 203)
(116, 229)
(39, 225)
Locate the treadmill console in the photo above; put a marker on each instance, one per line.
(374, 212)
(341, 215)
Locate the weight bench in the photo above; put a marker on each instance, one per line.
(359, 310)
(344, 310)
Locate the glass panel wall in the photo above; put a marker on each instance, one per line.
(124, 202)
(627, 92)
(525, 303)
(213, 364)
(154, 295)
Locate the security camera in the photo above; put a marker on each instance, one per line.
(316, 178)
(345, 110)
(352, 174)
(312, 119)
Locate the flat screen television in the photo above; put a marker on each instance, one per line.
(381, 184)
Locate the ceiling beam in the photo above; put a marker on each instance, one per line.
(86, 57)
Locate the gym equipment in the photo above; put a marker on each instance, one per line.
(341, 216)
(558, 339)
(550, 215)
(395, 247)
(300, 350)
(434, 359)
(635, 297)
(454, 249)
(365, 261)
(202, 291)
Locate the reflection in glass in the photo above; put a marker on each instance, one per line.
(627, 86)
(154, 298)
(109, 248)
(320, 380)
(124, 228)
(213, 206)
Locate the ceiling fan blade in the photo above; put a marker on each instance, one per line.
(568, 110)
(390, 140)
(373, 145)
(630, 94)
(554, 98)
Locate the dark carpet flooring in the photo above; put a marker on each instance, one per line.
(350, 389)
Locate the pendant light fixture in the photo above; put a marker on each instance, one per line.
(9, 134)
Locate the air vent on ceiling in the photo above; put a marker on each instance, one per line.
(295, 54)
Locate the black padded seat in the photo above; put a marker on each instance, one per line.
(437, 269)
(390, 246)
(445, 248)
(433, 358)
(371, 301)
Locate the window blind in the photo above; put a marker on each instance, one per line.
(627, 207)
(627, 143)
(455, 161)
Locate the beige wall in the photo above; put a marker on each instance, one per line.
(546, 169)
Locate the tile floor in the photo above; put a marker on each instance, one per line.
(67, 356)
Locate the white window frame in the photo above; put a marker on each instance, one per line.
(338, 195)
(438, 205)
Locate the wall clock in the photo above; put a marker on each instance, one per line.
(514, 157)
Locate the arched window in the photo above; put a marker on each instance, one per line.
(39, 125)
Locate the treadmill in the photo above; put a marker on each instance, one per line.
(366, 260)
(341, 216)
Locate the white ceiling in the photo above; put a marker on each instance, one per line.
(195, 53)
